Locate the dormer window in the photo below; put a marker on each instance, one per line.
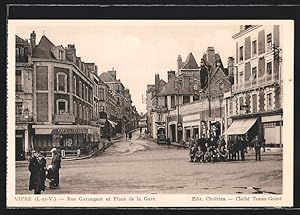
(61, 82)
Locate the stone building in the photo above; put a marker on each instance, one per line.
(24, 98)
(188, 104)
(254, 105)
(62, 98)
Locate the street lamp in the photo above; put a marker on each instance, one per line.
(210, 69)
(177, 86)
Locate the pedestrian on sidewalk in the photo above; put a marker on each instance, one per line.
(168, 142)
(264, 144)
(56, 165)
(35, 181)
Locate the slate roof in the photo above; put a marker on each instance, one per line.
(169, 89)
(20, 40)
(43, 49)
(105, 77)
(190, 62)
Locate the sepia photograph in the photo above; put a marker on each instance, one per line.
(150, 112)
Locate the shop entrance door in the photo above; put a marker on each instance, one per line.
(19, 149)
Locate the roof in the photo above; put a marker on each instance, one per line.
(43, 49)
(169, 89)
(190, 62)
(105, 77)
(20, 40)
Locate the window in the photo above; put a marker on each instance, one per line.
(186, 99)
(118, 88)
(241, 53)
(172, 101)
(80, 111)
(254, 103)
(19, 108)
(101, 109)
(19, 86)
(254, 47)
(231, 107)
(254, 72)
(269, 42)
(86, 93)
(74, 85)
(101, 94)
(75, 109)
(83, 112)
(269, 101)
(80, 89)
(269, 68)
(241, 103)
(83, 91)
(61, 106)
(61, 82)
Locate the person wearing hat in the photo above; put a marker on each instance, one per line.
(35, 181)
(56, 165)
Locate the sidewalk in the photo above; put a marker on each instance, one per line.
(113, 140)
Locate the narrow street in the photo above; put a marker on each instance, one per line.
(140, 165)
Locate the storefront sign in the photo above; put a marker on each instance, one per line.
(64, 118)
(70, 131)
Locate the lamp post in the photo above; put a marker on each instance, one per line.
(177, 86)
(210, 69)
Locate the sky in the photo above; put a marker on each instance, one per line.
(136, 49)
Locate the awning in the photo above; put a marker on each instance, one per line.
(66, 129)
(240, 126)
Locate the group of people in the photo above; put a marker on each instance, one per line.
(215, 150)
(39, 171)
(208, 150)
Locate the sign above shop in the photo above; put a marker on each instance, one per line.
(64, 118)
(70, 131)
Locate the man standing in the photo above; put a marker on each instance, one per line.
(35, 181)
(257, 147)
(55, 162)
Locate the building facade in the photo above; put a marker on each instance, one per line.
(255, 99)
(62, 99)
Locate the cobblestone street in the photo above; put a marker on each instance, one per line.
(141, 166)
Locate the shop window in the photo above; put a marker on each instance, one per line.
(61, 82)
(269, 68)
(61, 106)
(254, 47)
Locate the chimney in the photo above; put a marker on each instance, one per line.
(230, 65)
(179, 63)
(33, 39)
(156, 82)
(210, 55)
(113, 73)
(71, 53)
(171, 74)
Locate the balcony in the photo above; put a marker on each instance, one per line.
(23, 118)
(19, 88)
(254, 83)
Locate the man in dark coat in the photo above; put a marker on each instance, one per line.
(35, 182)
(43, 169)
(257, 146)
(56, 164)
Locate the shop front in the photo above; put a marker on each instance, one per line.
(66, 137)
(22, 141)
